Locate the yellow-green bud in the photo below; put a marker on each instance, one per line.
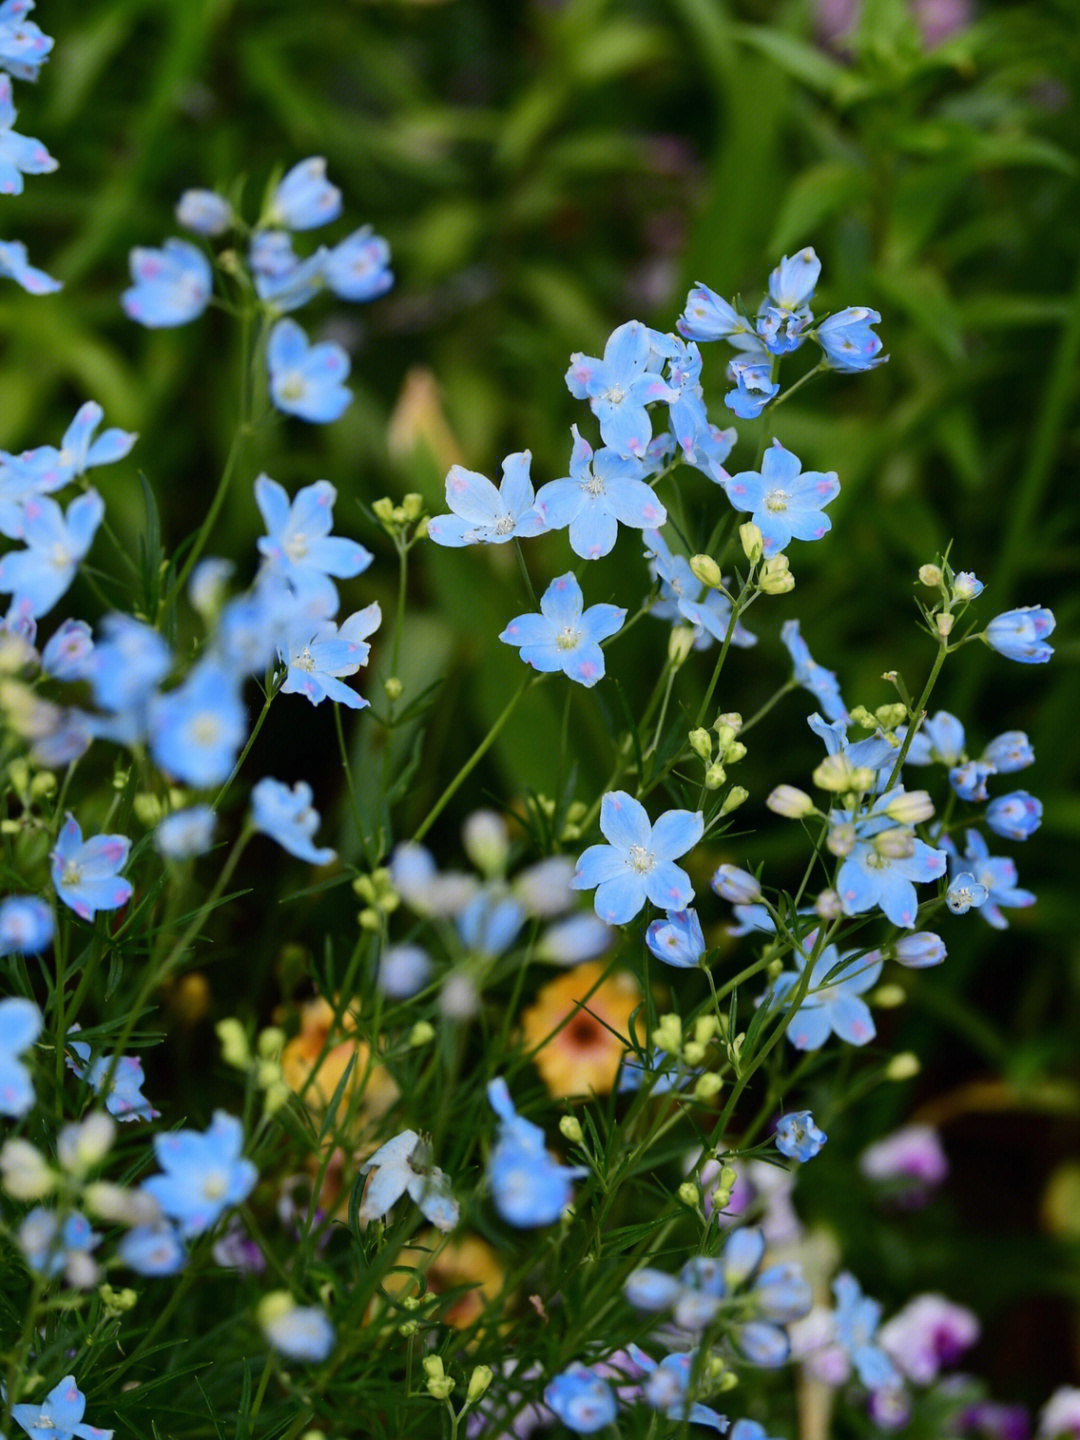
(275, 1096)
(728, 1381)
(841, 840)
(680, 643)
(399, 516)
(715, 1369)
(267, 1073)
(944, 624)
(701, 743)
(570, 1128)
(776, 577)
(861, 716)
(368, 919)
(890, 997)
(707, 571)
(911, 807)
(393, 688)
(708, 1086)
(836, 773)
(894, 844)
(479, 1381)
(439, 1384)
(890, 716)
(433, 1367)
(736, 796)
(715, 776)
(668, 1034)
(235, 1050)
(752, 542)
(904, 1066)
(422, 1033)
(725, 734)
(734, 752)
(384, 510)
(117, 1302)
(273, 1306)
(790, 802)
(408, 1328)
(693, 1052)
(43, 783)
(930, 576)
(689, 1194)
(24, 1171)
(422, 529)
(827, 905)
(271, 1042)
(413, 505)
(731, 718)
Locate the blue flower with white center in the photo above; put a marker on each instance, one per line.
(754, 387)
(20, 1025)
(299, 1332)
(490, 922)
(679, 592)
(59, 1416)
(711, 447)
(86, 874)
(821, 683)
(185, 833)
(619, 387)
(484, 515)
(317, 662)
(798, 1137)
(204, 1174)
(79, 450)
(66, 656)
(582, 1401)
(304, 198)
(299, 546)
(848, 341)
(204, 212)
(939, 740)
(359, 267)
(1008, 752)
(404, 1164)
(708, 317)
(15, 265)
(965, 893)
(307, 380)
(603, 491)
(565, 636)
(1020, 634)
(124, 1099)
(19, 155)
(196, 730)
(677, 939)
(56, 544)
(785, 503)
(152, 1249)
(288, 817)
(998, 874)
(855, 1323)
(885, 864)
(832, 1005)
(782, 331)
(172, 285)
(570, 941)
(1016, 816)
(283, 281)
(26, 925)
(638, 863)
(127, 664)
(528, 1186)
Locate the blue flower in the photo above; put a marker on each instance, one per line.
(15, 266)
(299, 545)
(781, 331)
(687, 409)
(639, 862)
(59, 1416)
(1016, 816)
(792, 283)
(679, 591)
(969, 779)
(19, 155)
(196, 730)
(965, 893)
(299, 1332)
(708, 317)
(23, 47)
(152, 1249)
(855, 1323)
(582, 1401)
(1008, 752)
(490, 922)
(798, 1137)
(564, 636)
(484, 515)
(172, 285)
(185, 833)
(754, 387)
(738, 886)
(128, 664)
(784, 503)
(601, 492)
(50, 1247)
(404, 1164)
(359, 267)
(204, 212)
(998, 874)
(287, 816)
(919, 950)
(619, 386)
(821, 683)
(54, 467)
(282, 280)
(124, 1099)
(20, 1025)
(940, 739)
(667, 1389)
(204, 1173)
(305, 199)
(528, 1186)
(305, 379)
(832, 1004)
(848, 341)
(55, 547)
(66, 656)
(317, 660)
(1020, 634)
(26, 925)
(677, 939)
(87, 874)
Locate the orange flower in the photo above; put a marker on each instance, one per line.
(300, 1057)
(584, 1056)
(447, 1265)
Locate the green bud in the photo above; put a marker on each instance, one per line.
(861, 716)
(422, 1033)
(890, 716)
(776, 577)
(479, 1381)
(752, 542)
(707, 571)
(904, 1066)
(701, 743)
(689, 1195)
(930, 576)
(413, 505)
(384, 510)
(393, 688)
(680, 643)
(793, 804)
(570, 1128)
(708, 1086)
(715, 776)
(736, 796)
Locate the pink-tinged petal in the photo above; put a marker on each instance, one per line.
(810, 1028)
(617, 901)
(562, 601)
(593, 532)
(633, 503)
(669, 887)
(625, 822)
(676, 832)
(627, 349)
(851, 1020)
(529, 629)
(473, 496)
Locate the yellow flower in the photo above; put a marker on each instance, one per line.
(448, 1265)
(584, 1056)
(314, 1063)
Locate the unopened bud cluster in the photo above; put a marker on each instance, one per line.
(382, 899)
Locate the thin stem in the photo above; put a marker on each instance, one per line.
(916, 715)
(273, 690)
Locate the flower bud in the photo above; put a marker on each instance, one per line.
(439, 1384)
(422, 1033)
(680, 643)
(752, 542)
(120, 1206)
(408, 1328)
(83, 1146)
(570, 1129)
(898, 844)
(705, 1027)
(930, 576)
(738, 886)
(794, 804)
(735, 752)
(731, 719)
(117, 1302)
(693, 1052)
(736, 796)
(689, 1194)
(835, 773)
(708, 1086)
(944, 624)
(24, 1171)
(384, 509)
(479, 1381)
(841, 840)
(393, 688)
(966, 585)
(919, 950)
(715, 776)
(910, 807)
(890, 716)
(904, 1066)
(668, 1034)
(701, 743)
(487, 841)
(235, 1050)
(707, 571)
(890, 997)
(776, 577)
(827, 906)
(413, 505)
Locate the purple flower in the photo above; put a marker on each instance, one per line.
(305, 379)
(602, 491)
(848, 341)
(912, 1155)
(288, 817)
(484, 515)
(619, 386)
(204, 1173)
(564, 636)
(1016, 816)
(928, 1334)
(784, 503)
(19, 155)
(55, 547)
(305, 199)
(639, 862)
(172, 285)
(59, 1416)
(86, 874)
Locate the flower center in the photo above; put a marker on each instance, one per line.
(305, 661)
(568, 638)
(615, 396)
(205, 728)
(297, 546)
(60, 556)
(777, 500)
(215, 1185)
(72, 873)
(504, 525)
(594, 485)
(641, 860)
(293, 387)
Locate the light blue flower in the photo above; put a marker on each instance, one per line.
(855, 1323)
(59, 1416)
(127, 665)
(940, 740)
(578, 938)
(172, 285)
(529, 1187)
(754, 387)
(686, 410)
(317, 661)
(969, 779)
(848, 341)
(677, 939)
(1020, 634)
(582, 1401)
(484, 515)
(998, 874)
(874, 753)
(302, 1332)
(86, 874)
(1008, 752)
(832, 1004)
(1016, 816)
(307, 380)
(19, 154)
(196, 730)
(299, 546)
(359, 267)
(23, 47)
(204, 212)
(26, 925)
(124, 1099)
(66, 656)
(638, 863)
(821, 683)
(20, 1025)
(708, 317)
(667, 1389)
(619, 387)
(305, 199)
(490, 922)
(793, 281)
(564, 636)
(185, 833)
(885, 864)
(288, 817)
(784, 503)
(49, 1245)
(56, 544)
(403, 1165)
(798, 1137)
(782, 331)
(15, 265)
(204, 1173)
(965, 893)
(919, 950)
(601, 492)
(403, 970)
(679, 592)
(282, 280)
(152, 1249)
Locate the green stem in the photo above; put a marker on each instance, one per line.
(915, 717)
(273, 690)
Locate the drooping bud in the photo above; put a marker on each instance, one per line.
(736, 796)
(479, 1381)
(707, 571)
(904, 1066)
(910, 807)
(738, 886)
(715, 776)
(790, 802)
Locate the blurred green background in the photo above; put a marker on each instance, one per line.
(544, 171)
